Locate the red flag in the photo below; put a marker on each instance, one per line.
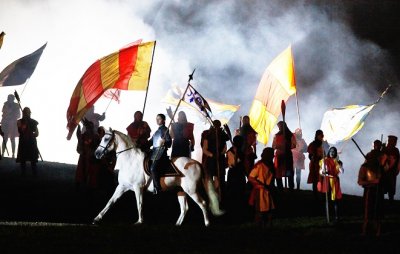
(127, 69)
(113, 94)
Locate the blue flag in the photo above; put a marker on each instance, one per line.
(21, 69)
(195, 99)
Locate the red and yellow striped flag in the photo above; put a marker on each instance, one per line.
(277, 83)
(127, 69)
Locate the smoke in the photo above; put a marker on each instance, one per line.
(230, 43)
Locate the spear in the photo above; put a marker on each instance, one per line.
(19, 103)
(359, 149)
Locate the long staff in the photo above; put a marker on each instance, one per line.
(359, 149)
(298, 110)
(327, 187)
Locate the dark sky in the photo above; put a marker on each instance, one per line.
(378, 21)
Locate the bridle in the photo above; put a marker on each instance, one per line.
(105, 148)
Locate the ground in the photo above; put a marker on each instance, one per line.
(48, 214)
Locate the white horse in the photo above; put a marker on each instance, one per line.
(133, 177)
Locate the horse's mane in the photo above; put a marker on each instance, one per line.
(125, 138)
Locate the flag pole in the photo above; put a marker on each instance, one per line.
(298, 110)
(283, 109)
(182, 98)
(23, 89)
(112, 97)
(383, 93)
(148, 83)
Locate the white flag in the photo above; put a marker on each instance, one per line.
(340, 124)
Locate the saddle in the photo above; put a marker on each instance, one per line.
(166, 168)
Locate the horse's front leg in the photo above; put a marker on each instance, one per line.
(139, 203)
(117, 194)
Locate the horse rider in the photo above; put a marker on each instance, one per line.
(161, 141)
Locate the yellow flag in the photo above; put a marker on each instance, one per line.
(277, 83)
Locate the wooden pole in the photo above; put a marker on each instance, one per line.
(283, 109)
(148, 84)
(112, 97)
(298, 110)
(326, 193)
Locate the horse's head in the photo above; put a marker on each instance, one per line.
(106, 144)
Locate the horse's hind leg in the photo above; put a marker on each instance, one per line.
(183, 205)
(117, 194)
(202, 204)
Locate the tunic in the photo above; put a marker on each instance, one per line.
(263, 175)
(27, 146)
(183, 139)
(332, 178)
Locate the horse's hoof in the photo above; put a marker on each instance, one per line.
(220, 213)
(96, 222)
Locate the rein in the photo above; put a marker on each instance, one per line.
(124, 150)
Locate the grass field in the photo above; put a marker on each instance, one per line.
(45, 214)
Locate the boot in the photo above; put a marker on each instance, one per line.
(336, 211)
(156, 180)
(156, 184)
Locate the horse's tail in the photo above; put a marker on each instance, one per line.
(211, 193)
